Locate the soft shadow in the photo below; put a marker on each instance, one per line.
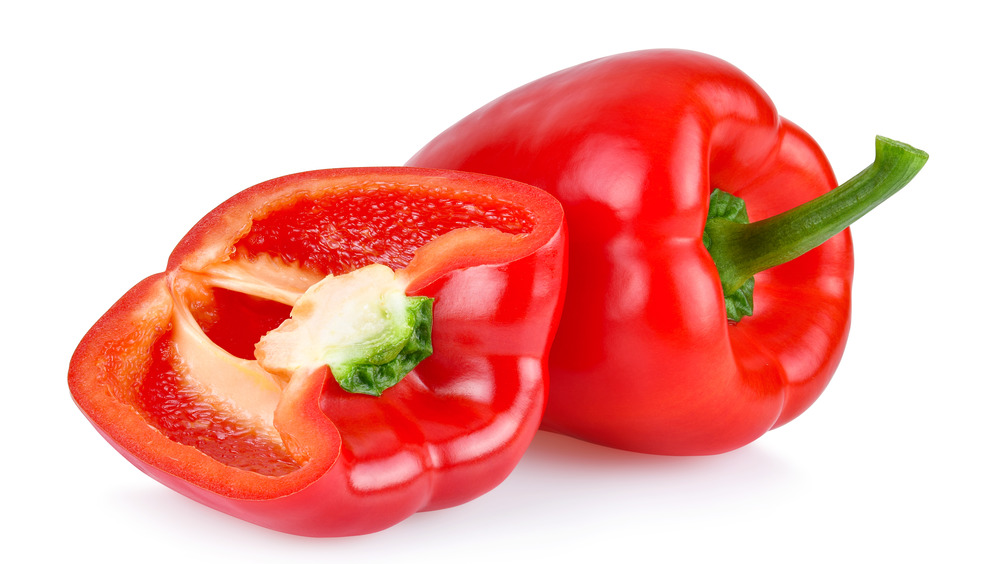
(561, 484)
(558, 467)
(555, 450)
(159, 508)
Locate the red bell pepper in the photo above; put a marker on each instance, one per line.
(214, 376)
(685, 331)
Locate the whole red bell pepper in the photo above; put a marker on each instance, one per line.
(431, 297)
(686, 330)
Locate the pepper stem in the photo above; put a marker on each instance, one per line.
(742, 250)
(361, 324)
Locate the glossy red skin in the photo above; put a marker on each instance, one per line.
(632, 145)
(450, 431)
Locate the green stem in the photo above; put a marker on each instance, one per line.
(742, 250)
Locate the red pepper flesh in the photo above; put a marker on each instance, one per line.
(170, 378)
(633, 145)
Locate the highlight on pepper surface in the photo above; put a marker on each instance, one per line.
(281, 368)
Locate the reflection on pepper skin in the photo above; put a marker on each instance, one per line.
(632, 145)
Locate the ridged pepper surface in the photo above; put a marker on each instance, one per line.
(686, 329)
(431, 295)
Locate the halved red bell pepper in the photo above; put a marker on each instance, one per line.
(214, 377)
(669, 344)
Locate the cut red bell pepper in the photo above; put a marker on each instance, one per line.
(214, 376)
(685, 330)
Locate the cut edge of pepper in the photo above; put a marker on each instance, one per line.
(472, 245)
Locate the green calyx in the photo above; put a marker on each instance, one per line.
(741, 249)
(382, 363)
(725, 206)
(361, 324)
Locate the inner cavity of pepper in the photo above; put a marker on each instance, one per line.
(334, 234)
(359, 227)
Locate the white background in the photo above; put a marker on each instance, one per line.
(124, 122)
